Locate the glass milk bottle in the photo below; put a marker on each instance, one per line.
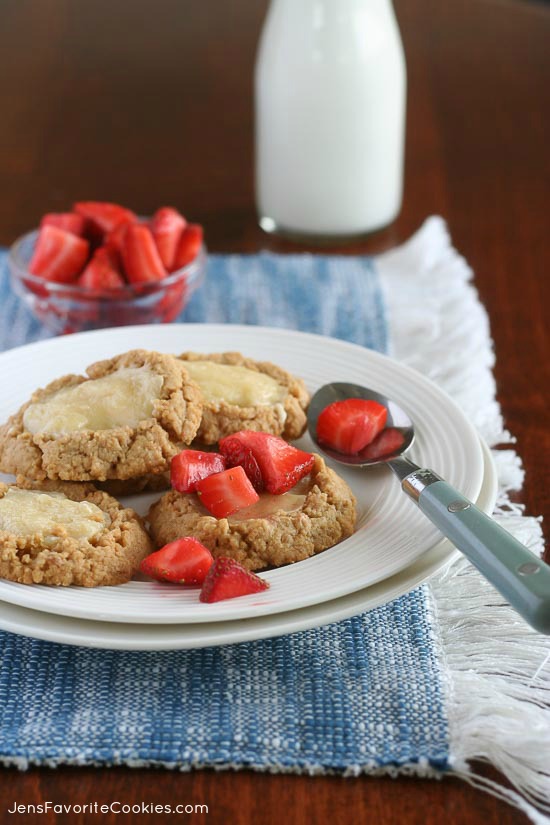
(330, 91)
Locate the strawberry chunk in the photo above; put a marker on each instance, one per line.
(104, 217)
(102, 272)
(140, 256)
(58, 255)
(189, 245)
(386, 443)
(225, 493)
(184, 561)
(348, 426)
(271, 463)
(167, 226)
(114, 240)
(227, 579)
(191, 466)
(68, 221)
(238, 453)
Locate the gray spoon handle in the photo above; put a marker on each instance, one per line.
(512, 569)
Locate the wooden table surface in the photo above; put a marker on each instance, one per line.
(151, 103)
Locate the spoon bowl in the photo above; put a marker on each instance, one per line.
(340, 391)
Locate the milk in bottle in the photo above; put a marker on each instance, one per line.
(330, 117)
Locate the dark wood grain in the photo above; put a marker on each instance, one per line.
(149, 104)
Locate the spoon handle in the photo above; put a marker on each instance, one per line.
(522, 578)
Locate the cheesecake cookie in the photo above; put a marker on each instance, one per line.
(242, 394)
(66, 533)
(126, 419)
(317, 513)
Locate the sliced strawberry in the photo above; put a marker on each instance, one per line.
(191, 466)
(227, 579)
(167, 226)
(225, 493)
(270, 462)
(102, 271)
(184, 561)
(386, 443)
(114, 240)
(348, 426)
(238, 453)
(189, 245)
(104, 217)
(58, 255)
(68, 221)
(140, 256)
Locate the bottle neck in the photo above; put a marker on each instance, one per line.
(333, 19)
(328, 30)
(322, 11)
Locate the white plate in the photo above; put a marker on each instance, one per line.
(177, 637)
(391, 532)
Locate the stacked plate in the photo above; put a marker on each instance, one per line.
(393, 549)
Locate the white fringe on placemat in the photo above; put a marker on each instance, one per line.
(496, 669)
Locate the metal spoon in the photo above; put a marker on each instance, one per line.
(512, 569)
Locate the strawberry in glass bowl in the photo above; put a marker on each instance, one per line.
(100, 265)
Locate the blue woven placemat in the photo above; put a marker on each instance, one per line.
(361, 694)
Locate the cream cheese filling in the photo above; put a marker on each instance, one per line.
(121, 399)
(268, 505)
(33, 512)
(236, 385)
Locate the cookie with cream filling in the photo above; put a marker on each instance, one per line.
(242, 394)
(316, 514)
(126, 419)
(64, 534)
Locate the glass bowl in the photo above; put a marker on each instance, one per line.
(64, 308)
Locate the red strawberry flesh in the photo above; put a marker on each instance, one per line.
(102, 272)
(184, 561)
(191, 466)
(68, 221)
(238, 454)
(114, 240)
(167, 226)
(348, 426)
(189, 245)
(227, 579)
(225, 493)
(386, 443)
(58, 256)
(140, 256)
(280, 464)
(104, 216)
